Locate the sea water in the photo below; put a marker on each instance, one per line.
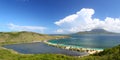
(92, 41)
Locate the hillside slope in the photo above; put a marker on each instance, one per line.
(107, 54)
(23, 37)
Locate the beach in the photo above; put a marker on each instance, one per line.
(74, 48)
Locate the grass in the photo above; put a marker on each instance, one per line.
(8, 55)
(24, 37)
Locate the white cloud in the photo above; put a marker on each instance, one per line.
(26, 28)
(60, 31)
(83, 21)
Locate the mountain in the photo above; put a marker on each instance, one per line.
(23, 37)
(96, 31)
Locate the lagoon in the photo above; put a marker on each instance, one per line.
(41, 48)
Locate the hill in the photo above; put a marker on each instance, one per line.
(107, 54)
(96, 31)
(23, 37)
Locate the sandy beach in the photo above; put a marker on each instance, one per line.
(75, 48)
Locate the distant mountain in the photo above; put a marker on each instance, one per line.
(96, 31)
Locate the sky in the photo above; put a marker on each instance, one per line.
(59, 16)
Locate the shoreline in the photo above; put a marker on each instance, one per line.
(75, 48)
(67, 47)
(16, 52)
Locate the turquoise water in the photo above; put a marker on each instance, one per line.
(93, 41)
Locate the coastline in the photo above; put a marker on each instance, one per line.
(68, 47)
(58, 46)
(45, 49)
(75, 48)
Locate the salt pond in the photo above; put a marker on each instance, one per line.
(41, 48)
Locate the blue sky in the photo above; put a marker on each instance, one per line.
(41, 15)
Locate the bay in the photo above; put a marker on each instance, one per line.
(93, 41)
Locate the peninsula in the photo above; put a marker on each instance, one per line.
(24, 37)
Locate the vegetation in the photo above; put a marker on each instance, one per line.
(24, 37)
(107, 54)
(8, 55)
(110, 54)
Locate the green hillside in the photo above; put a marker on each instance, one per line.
(24, 37)
(107, 54)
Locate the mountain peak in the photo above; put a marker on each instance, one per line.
(96, 31)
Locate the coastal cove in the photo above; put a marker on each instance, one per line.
(75, 45)
(90, 43)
